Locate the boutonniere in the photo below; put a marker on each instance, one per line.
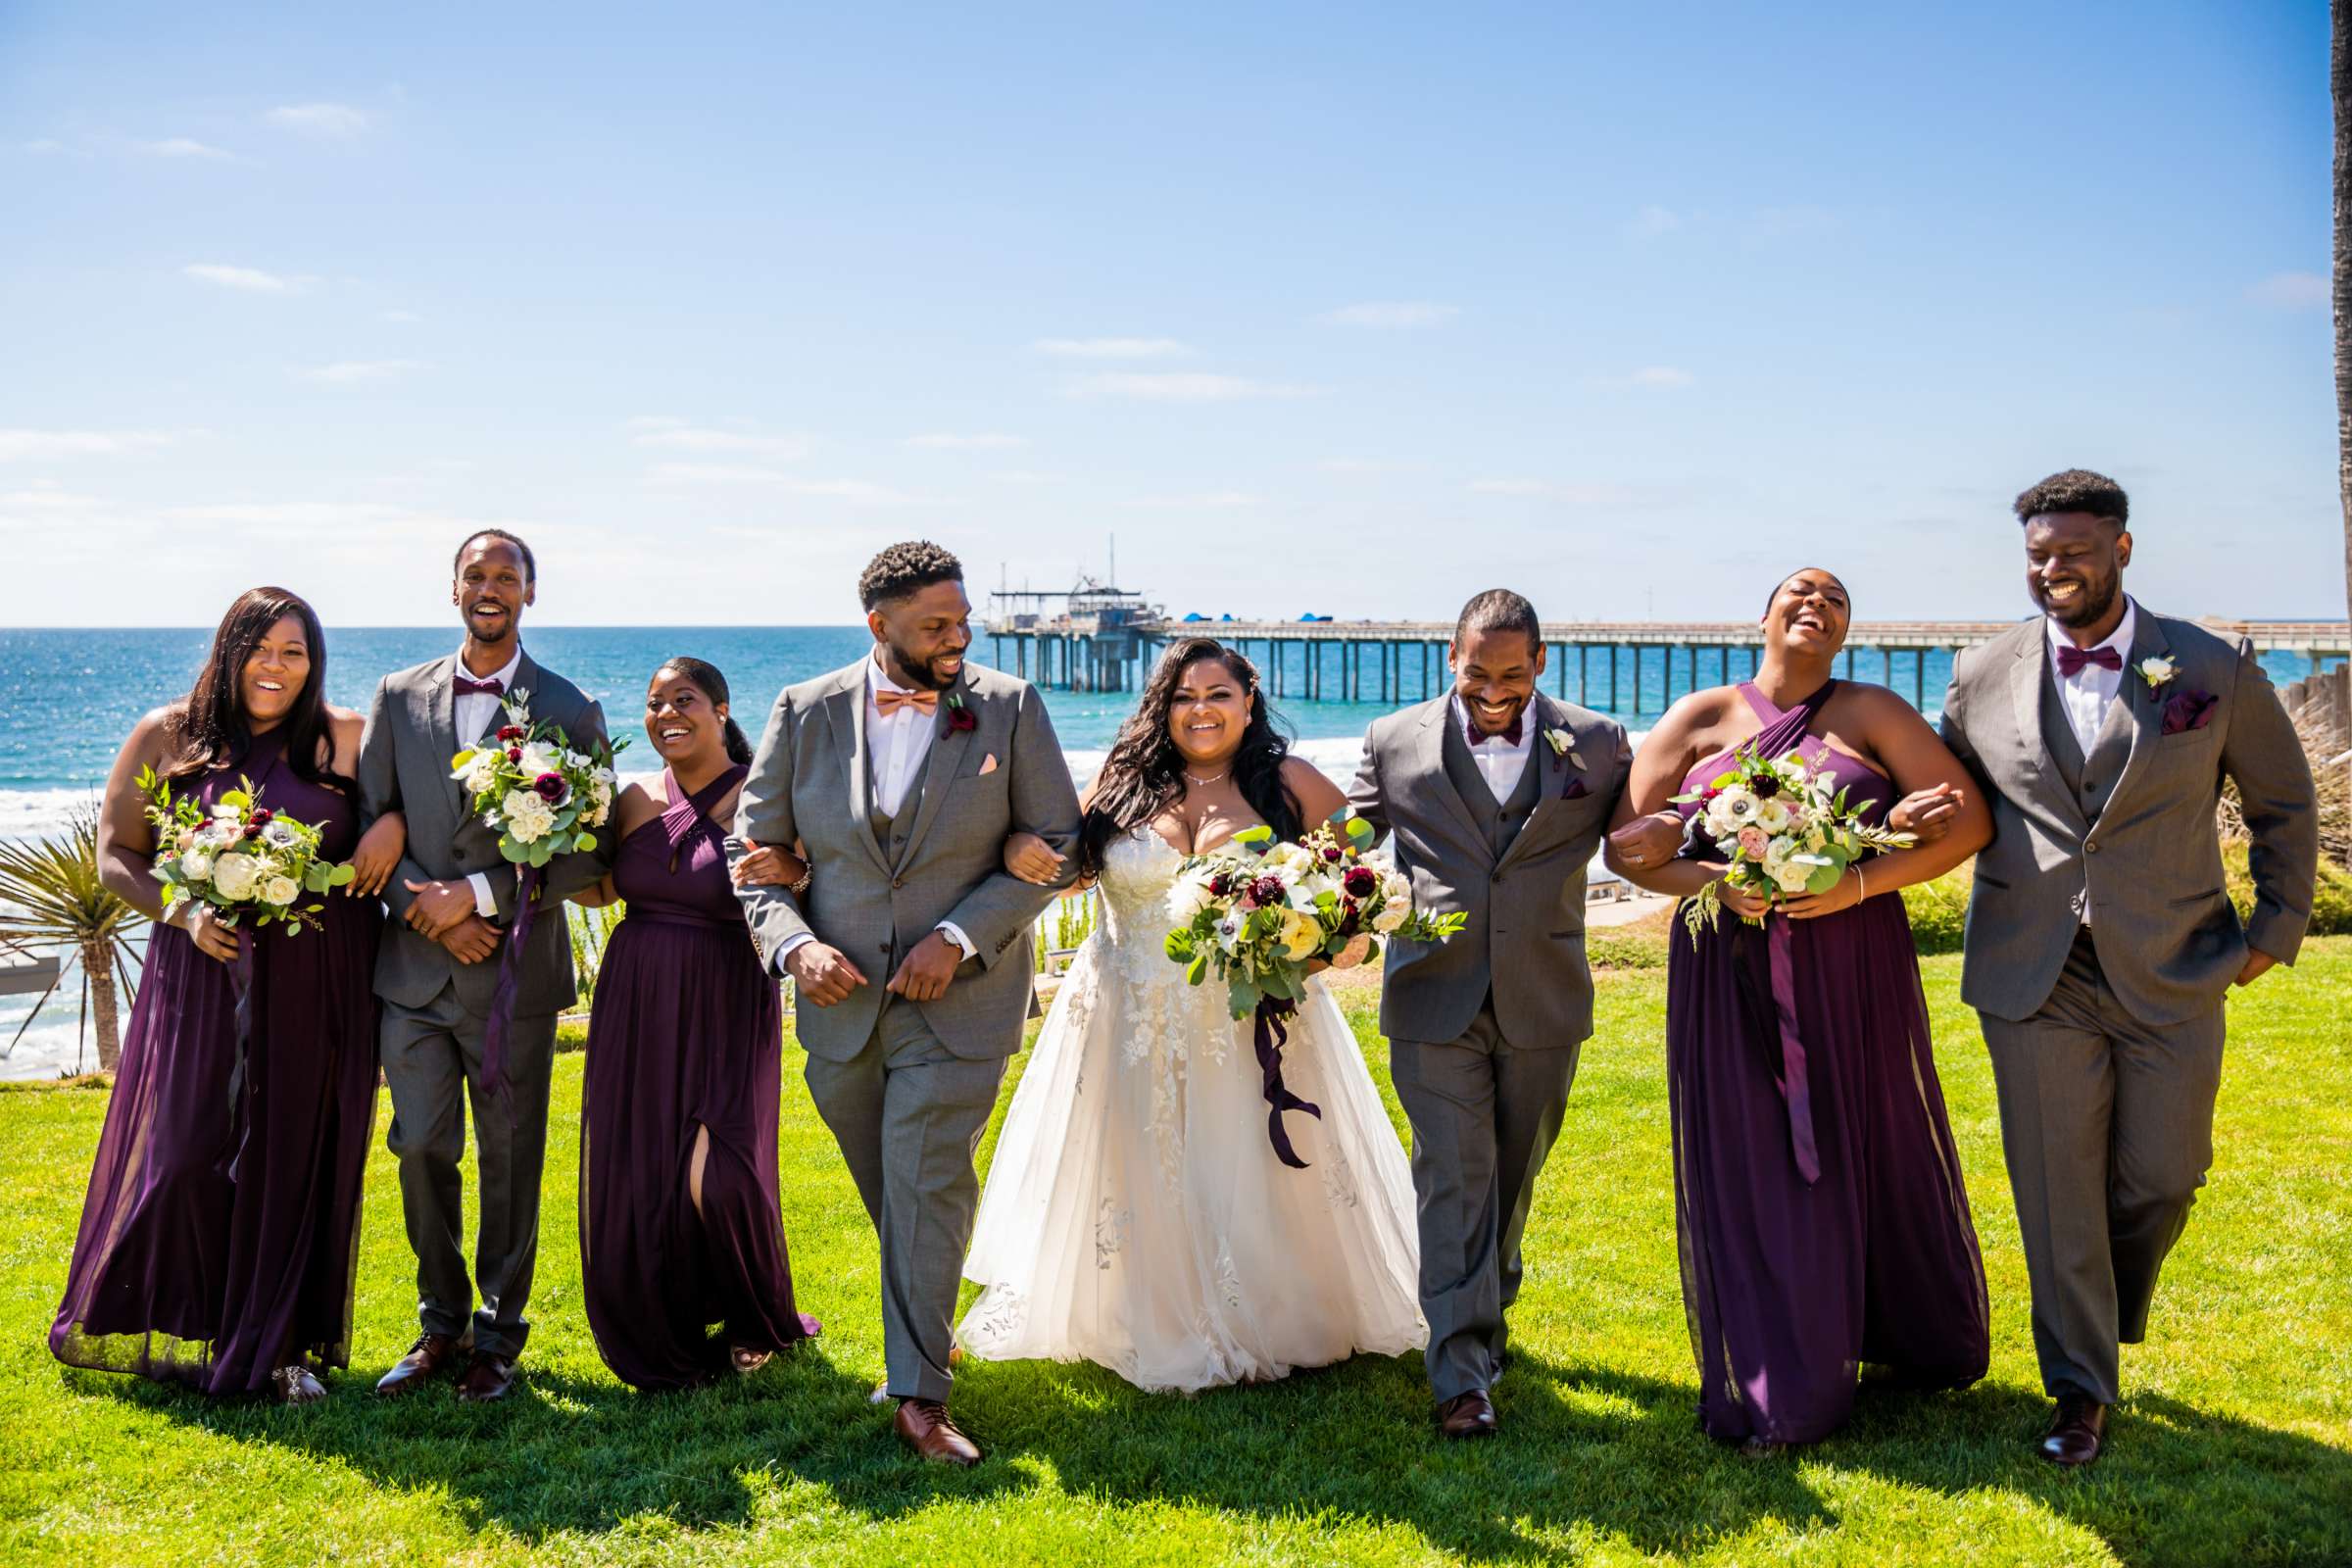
(1563, 743)
(2156, 672)
(960, 719)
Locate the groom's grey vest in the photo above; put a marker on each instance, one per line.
(1503, 822)
(2090, 779)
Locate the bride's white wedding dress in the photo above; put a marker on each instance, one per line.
(1135, 1213)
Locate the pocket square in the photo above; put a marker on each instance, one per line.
(988, 765)
(2187, 710)
(1575, 789)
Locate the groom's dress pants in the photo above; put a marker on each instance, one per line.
(433, 1064)
(908, 1114)
(2107, 1126)
(1483, 1116)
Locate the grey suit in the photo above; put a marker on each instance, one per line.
(435, 1009)
(2106, 1038)
(907, 1088)
(1485, 1029)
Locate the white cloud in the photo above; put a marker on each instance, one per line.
(967, 443)
(17, 444)
(680, 436)
(1214, 499)
(1024, 477)
(252, 280)
(319, 119)
(1574, 495)
(1662, 376)
(657, 421)
(2293, 291)
(348, 373)
(184, 147)
(1111, 348)
(47, 145)
(1182, 387)
(1390, 314)
(47, 497)
(857, 492)
(1363, 465)
(1651, 222)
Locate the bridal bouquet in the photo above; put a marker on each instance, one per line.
(544, 798)
(1257, 913)
(1782, 831)
(239, 856)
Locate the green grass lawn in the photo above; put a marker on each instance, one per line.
(2234, 1446)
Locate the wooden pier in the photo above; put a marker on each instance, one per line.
(1391, 661)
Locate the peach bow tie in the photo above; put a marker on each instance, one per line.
(888, 702)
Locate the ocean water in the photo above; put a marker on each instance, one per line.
(68, 697)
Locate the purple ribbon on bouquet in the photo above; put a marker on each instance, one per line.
(1795, 1084)
(502, 997)
(1270, 1037)
(240, 1121)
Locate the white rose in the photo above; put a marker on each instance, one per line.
(1771, 815)
(195, 866)
(528, 817)
(2155, 671)
(535, 762)
(481, 771)
(1392, 914)
(1186, 899)
(281, 890)
(235, 876)
(1790, 875)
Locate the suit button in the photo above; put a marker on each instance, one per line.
(1498, 878)
(2091, 849)
(898, 881)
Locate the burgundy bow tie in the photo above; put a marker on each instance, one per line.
(2072, 660)
(493, 687)
(1509, 737)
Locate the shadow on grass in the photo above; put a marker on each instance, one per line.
(1583, 1451)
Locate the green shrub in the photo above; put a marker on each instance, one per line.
(2330, 902)
(1939, 909)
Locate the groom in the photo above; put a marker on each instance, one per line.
(2100, 942)
(1497, 797)
(453, 900)
(909, 943)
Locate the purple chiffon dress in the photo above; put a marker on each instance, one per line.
(686, 1033)
(1819, 1209)
(214, 1248)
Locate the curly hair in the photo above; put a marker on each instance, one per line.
(1498, 609)
(905, 568)
(2077, 490)
(1144, 774)
(530, 562)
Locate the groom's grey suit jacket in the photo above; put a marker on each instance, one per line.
(404, 766)
(2130, 826)
(1525, 939)
(813, 782)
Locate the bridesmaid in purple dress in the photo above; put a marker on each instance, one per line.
(218, 1244)
(680, 1225)
(1822, 1221)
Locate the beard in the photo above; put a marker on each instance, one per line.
(918, 671)
(2095, 601)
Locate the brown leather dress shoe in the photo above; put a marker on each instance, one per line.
(431, 1355)
(2078, 1431)
(1467, 1415)
(489, 1377)
(925, 1425)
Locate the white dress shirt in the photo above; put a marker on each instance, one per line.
(1500, 763)
(2085, 696)
(471, 716)
(898, 743)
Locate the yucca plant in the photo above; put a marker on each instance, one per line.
(52, 895)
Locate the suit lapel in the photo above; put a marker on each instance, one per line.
(441, 726)
(1430, 760)
(1552, 778)
(526, 680)
(941, 765)
(844, 712)
(2147, 706)
(2025, 681)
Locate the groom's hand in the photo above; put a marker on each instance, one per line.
(439, 906)
(824, 975)
(471, 940)
(923, 974)
(2257, 962)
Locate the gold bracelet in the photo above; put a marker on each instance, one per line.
(1862, 881)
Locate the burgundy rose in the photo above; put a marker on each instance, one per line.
(1765, 786)
(961, 720)
(1219, 885)
(514, 753)
(261, 816)
(550, 787)
(1361, 882)
(1331, 853)
(509, 732)
(1266, 891)
(253, 830)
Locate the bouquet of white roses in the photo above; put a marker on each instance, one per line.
(237, 856)
(1257, 913)
(1782, 831)
(543, 797)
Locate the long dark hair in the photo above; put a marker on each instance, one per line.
(211, 728)
(1144, 774)
(705, 678)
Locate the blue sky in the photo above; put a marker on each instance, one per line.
(1344, 308)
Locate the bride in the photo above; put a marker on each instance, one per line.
(1135, 1213)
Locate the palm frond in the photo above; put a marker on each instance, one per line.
(53, 892)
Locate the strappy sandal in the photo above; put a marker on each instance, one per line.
(295, 1385)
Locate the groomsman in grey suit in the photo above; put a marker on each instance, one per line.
(1496, 797)
(453, 899)
(909, 943)
(2100, 942)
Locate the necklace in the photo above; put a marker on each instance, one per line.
(1219, 778)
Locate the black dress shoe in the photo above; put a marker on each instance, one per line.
(431, 1355)
(1467, 1415)
(489, 1377)
(2078, 1431)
